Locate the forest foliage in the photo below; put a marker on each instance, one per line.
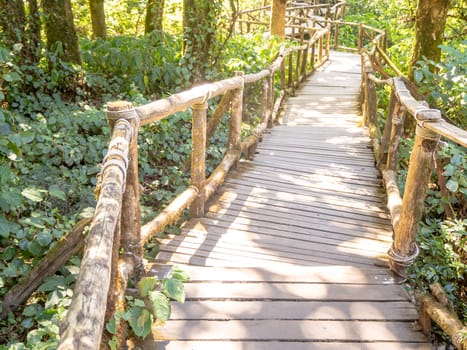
(53, 136)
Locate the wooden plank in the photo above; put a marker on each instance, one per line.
(228, 197)
(319, 190)
(293, 214)
(326, 225)
(322, 182)
(316, 175)
(289, 237)
(289, 212)
(272, 249)
(304, 198)
(281, 345)
(292, 310)
(257, 256)
(301, 330)
(321, 153)
(300, 274)
(294, 291)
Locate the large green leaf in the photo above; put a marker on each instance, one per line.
(34, 194)
(140, 321)
(147, 284)
(55, 191)
(174, 289)
(160, 306)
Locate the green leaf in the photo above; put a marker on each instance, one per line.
(452, 185)
(33, 194)
(44, 238)
(140, 321)
(111, 326)
(12, 77)
(34, 248)
(160, 306)
(179, 274)
(55, 191)
(174, 289)
(147, 284)
(52, 283)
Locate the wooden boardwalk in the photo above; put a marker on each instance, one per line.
(291, 253)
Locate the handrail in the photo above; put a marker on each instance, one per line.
(406, 211)
(113, 229)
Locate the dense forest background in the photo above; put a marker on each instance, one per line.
(61, 61)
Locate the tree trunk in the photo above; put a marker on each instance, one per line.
(99, 28)
(199, 37)
(277, 26)
(12, 20)
(18, 27)
(60, 30)
(429, 31)
(154, 15)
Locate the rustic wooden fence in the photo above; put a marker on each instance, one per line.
(113, 252)
(299, 15)
(406, 211)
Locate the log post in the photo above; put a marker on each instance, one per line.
(387, 128)
(270, 101)
(397, 129)
(235, 124)
(128, 234)
(320, 50)
(83, 325)
(336, 35)
(198, 157)
(360, 37)
(264, 101)
(291, 82)
(404, 248)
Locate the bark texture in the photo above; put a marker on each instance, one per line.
(278, 18)
(99, 27)
(60, 30)
(154, 15)
(429, 31)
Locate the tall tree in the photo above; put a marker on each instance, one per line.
(20, 28)
(277, 26)
(430, 22)
(60, 29)
(99, 27)
(154, 15)
(199, 38)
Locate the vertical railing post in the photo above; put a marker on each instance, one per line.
(404, 248)
(336, 35)
(270, 102)
(387, 127)
(397, 120)
(360, 37)
(234, 142)
(198, 157)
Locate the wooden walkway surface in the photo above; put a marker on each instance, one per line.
(292, 252)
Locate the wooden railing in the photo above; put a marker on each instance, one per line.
(306, 14)
(115, 240)
(406, 211)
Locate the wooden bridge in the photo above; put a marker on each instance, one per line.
(289, 238)
(291, 253)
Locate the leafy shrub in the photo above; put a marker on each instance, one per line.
(149, 63)
(444, 82)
